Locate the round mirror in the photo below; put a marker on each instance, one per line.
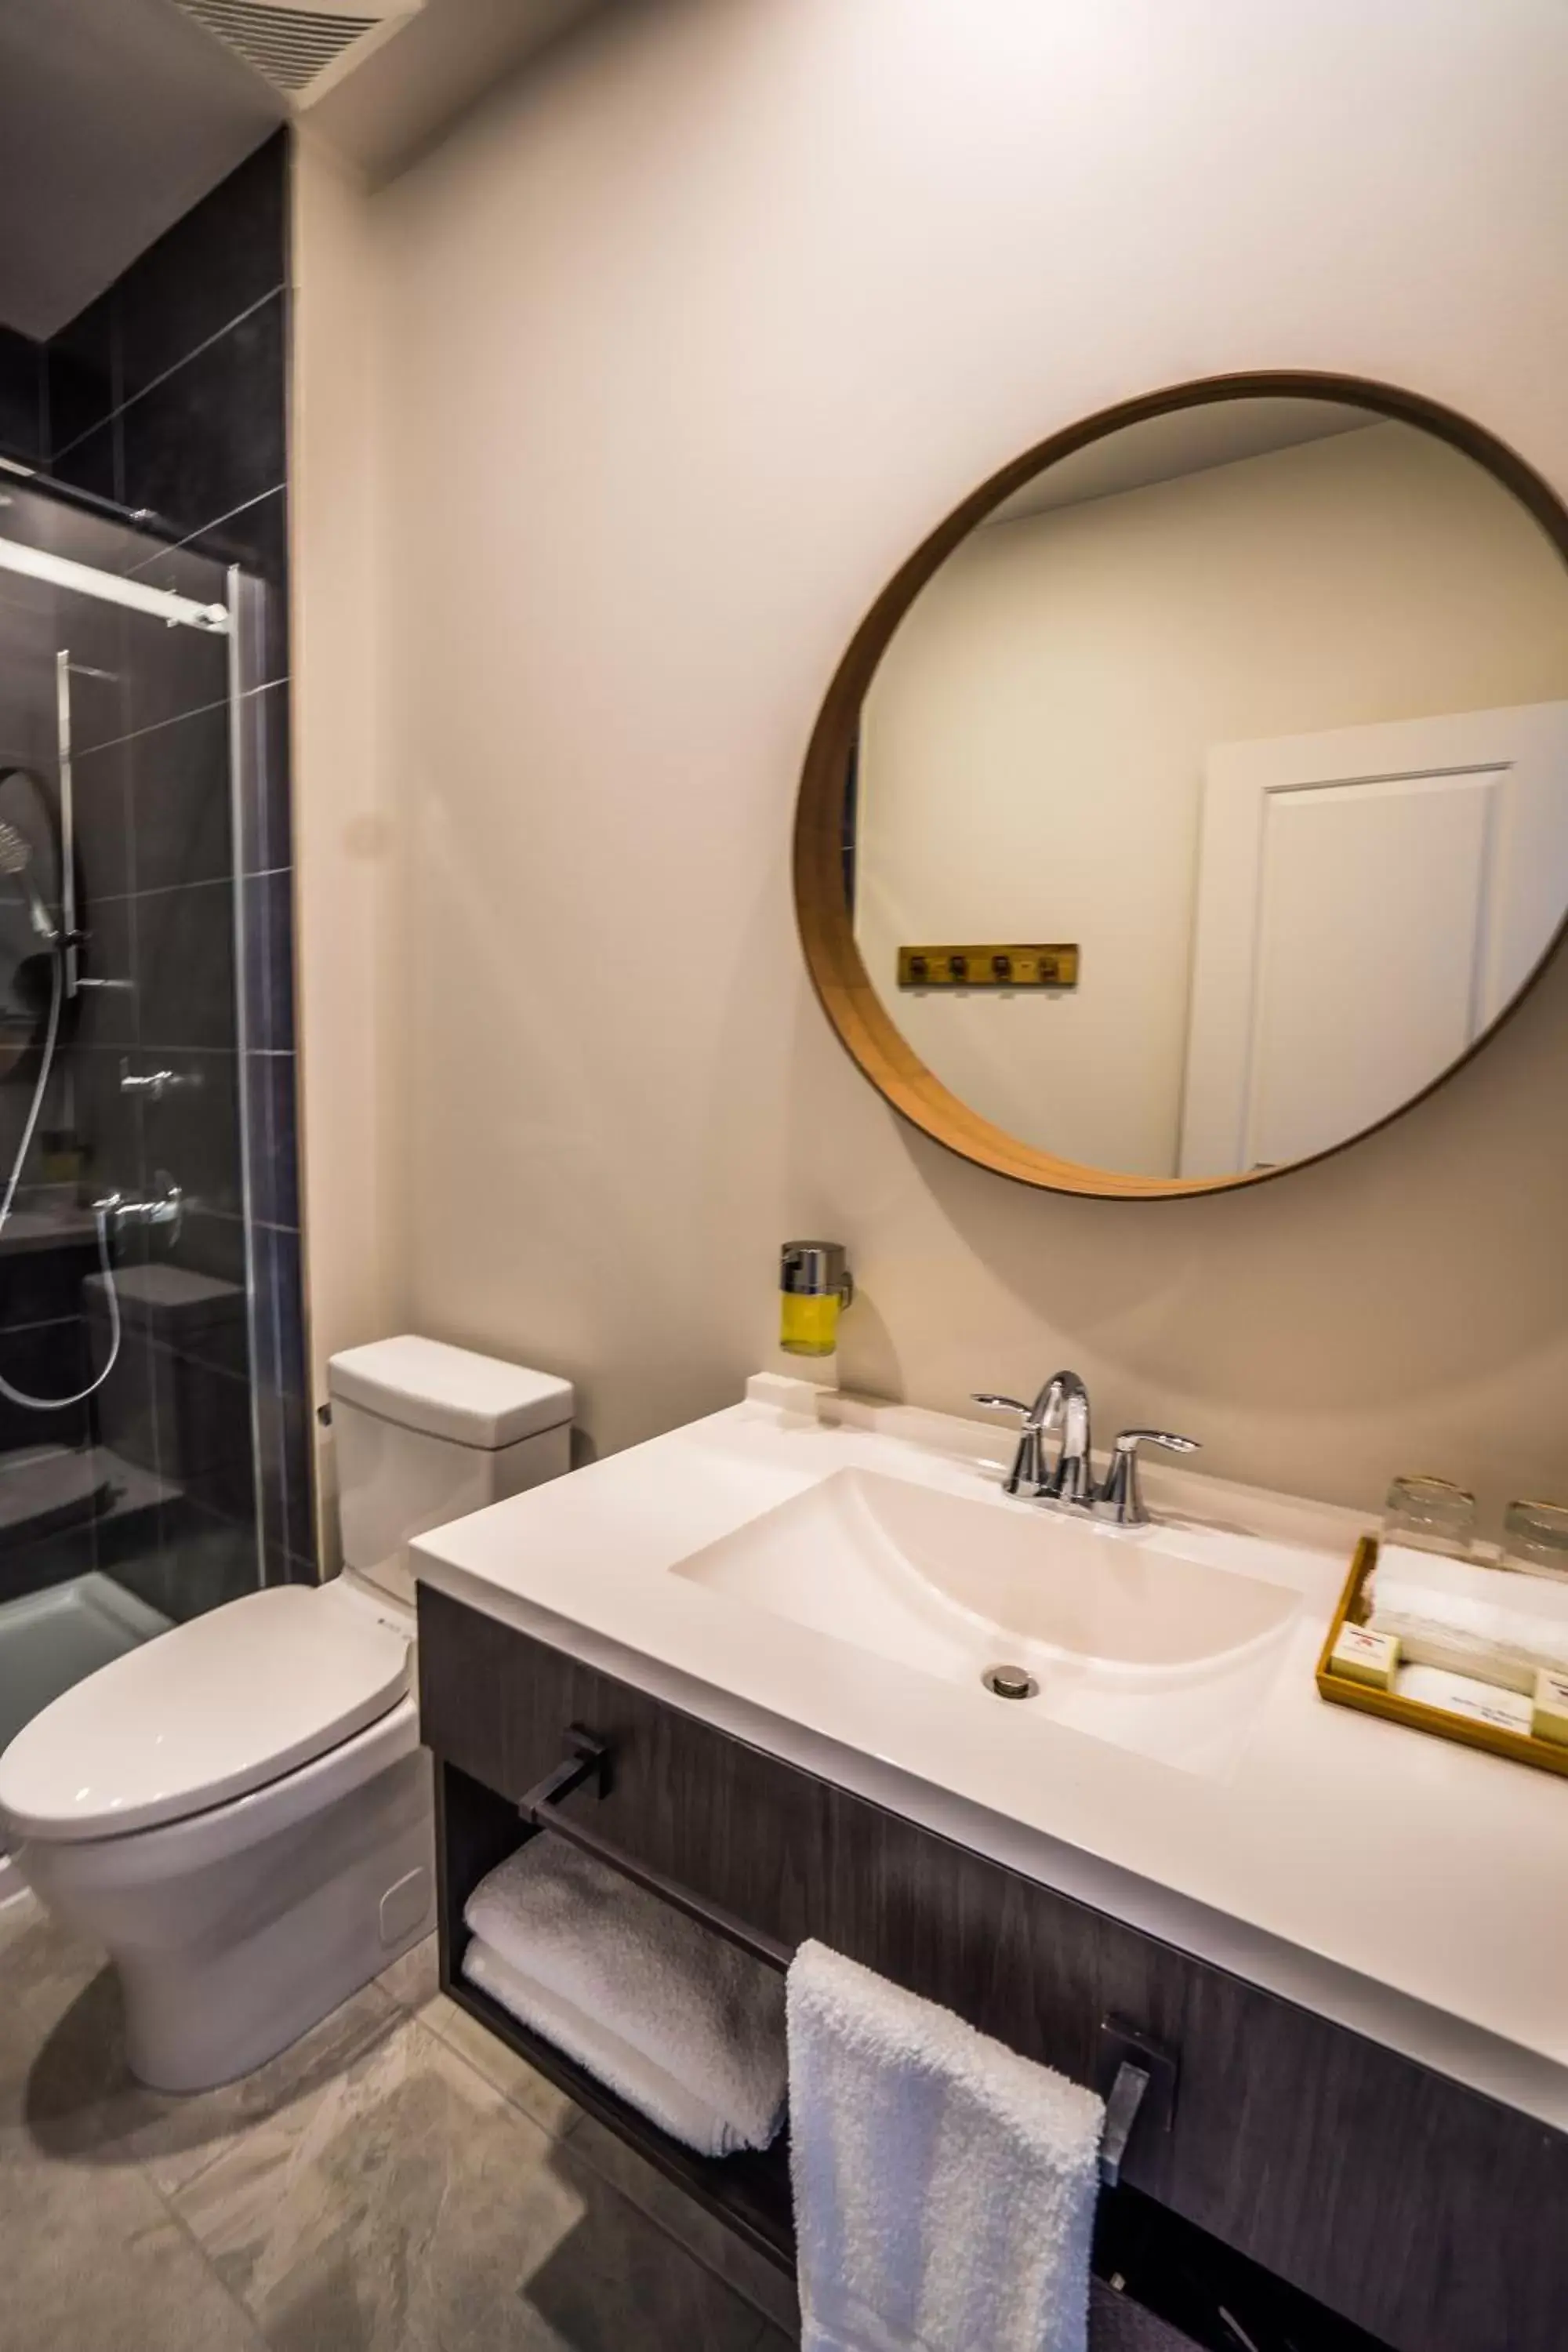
(1196, 797)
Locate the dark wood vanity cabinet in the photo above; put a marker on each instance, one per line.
(1426, 2214)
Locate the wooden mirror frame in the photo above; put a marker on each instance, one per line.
(864, 1027)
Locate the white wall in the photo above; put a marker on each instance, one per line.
(344, 820)
(1033, 744)
(690, 335)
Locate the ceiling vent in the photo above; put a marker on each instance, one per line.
(304, 49)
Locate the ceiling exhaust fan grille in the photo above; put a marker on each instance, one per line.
(292, 46)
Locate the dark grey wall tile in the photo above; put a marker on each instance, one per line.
(94, 463)
(266, 835)
(257, 536)
(107, 1009)
(283, 1428)
(17, 1091)
(279, 1325)
(94, 635)
(179, 776)
(221, 258)
(204, 1434)
(205, 1561)
(21, 397)
(43, 1285)
(180, 566)
(210, 436)
(101, 778)
(169, 673)
(124, 1411)
(270, 1106)
(82, 371)
(46, 1360)
(269, 961)
(169, 394)
(211, 1243)
(110, 1123)
(184, 966)
(191, 1129)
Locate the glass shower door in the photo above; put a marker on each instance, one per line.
(127, 1432)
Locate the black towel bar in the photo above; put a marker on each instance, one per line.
(590, 1762)
(1137, 2077)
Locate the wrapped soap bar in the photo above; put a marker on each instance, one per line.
(1549, 1713)
(1363, 1656)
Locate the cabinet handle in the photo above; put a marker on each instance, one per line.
(589, 1761)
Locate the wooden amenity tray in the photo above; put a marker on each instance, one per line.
(1520, 1748)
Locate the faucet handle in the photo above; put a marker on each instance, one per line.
(1027, 1473)
(1121, 1498)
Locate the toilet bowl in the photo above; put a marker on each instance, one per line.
(240, 1811)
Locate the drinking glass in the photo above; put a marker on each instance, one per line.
(1431, 1515)
(1535, 1537)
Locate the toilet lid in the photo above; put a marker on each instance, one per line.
(202, 1714)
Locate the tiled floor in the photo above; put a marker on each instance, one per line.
(396, 2182)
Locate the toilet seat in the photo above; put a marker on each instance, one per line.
(204, 1714)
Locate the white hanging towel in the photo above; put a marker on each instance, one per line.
(944, 2187)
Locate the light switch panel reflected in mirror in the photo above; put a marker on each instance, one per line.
(1261, 698)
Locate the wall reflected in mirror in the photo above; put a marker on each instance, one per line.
(1263, 705)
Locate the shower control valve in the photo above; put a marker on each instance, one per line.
(123, 1210)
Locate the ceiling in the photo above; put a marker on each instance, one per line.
(1184, 441)
(404, 95)
(117, 115)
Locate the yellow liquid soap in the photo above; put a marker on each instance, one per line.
(808, 1325)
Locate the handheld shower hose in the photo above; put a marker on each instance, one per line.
(15, 857)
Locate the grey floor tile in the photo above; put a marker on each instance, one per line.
(396, 2182)
(762, 2283)
(65, 2086)
(413, 1983)
(410, 2207)
(619, 2281)
(179, 2139)
(95, 2263)
(414, 1979)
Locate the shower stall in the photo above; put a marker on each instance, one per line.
(137, 976)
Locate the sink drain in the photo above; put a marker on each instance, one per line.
(1010, 1682)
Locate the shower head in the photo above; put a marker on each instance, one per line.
(16, 858)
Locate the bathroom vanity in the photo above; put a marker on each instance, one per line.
(1329, 1942)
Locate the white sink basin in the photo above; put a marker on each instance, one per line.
(1160, 1639)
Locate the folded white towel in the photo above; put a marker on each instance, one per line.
(944, 2187)
(705, 2015)
(1496, 1623)
(638, 2079)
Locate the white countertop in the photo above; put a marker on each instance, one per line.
(1410, 1888)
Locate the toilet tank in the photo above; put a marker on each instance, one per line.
(425, 1434)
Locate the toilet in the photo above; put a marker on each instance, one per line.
(240, 1810)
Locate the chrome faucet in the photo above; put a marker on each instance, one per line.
(1062, 1406)
(1072, 1480)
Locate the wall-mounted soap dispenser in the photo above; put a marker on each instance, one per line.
(815, 1286)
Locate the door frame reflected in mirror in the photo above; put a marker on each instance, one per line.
(824, 913)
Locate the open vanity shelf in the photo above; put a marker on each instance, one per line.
(1364, 2185)
(475, 1830)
